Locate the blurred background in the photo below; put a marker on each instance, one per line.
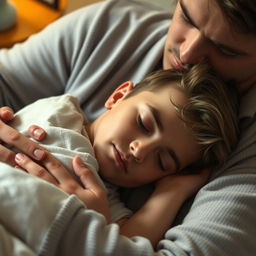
(19, 19)
(74, 4)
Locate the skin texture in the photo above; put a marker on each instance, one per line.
(133, 145)
(194, 37)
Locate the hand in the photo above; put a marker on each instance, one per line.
(11, 137)
(186, 184)
(6, 114)
(92, 193)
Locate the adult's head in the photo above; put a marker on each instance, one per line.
(222, 32)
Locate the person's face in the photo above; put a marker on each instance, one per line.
(199, 31)
(141, 139)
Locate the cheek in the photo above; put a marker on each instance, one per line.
(151, 172)
(222, 67)
(177, 30)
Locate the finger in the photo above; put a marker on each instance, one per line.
(33, 168)
(86, 176)
(14, 138)
(20, 168)
(7, 156)
(6, 113)
(56, 169)
(36, 132)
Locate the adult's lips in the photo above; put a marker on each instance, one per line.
(176, 63)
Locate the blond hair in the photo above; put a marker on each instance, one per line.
(210, 111)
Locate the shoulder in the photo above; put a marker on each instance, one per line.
(106, 14)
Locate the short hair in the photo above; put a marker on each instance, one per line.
(210, 111)
(241, 14)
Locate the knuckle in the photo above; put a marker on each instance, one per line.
(86, 172)
(40, 172)
(71, 188)
(56, 164)
(7, 156)
(13, 136)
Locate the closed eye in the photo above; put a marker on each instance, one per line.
(185, 16)
(160, 163)
(227, 52)
(223, 49)
(142, 125)
(185, 19)
(168, 161)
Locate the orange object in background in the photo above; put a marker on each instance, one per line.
(32, 16)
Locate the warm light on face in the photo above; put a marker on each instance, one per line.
(193, 36)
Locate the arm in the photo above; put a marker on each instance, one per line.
(11, 245)
(92, 194)
(154, 218)
(70, 56)
(220, 221)
(161, 208)
(77, 55)
(50, 222)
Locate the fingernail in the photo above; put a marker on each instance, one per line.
(80, 162)
(37, 133)
(8, 114)
(19, 157)
(38, 153)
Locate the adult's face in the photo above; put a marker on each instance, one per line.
(199, 31)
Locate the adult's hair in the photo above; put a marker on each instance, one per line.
(210, 111)
(241, 14)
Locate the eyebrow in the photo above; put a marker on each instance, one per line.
(156, 116)
(186, 13)
(217, 44)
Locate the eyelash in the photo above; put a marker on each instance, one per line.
(142, 126)
(185, 19)
(160, 163)
(221, 51)
(229, 55)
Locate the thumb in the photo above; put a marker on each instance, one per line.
(85, 175)
(79, 166)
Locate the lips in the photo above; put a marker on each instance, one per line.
(176, 63)
(119, 159)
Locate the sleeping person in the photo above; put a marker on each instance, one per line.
(161, 131)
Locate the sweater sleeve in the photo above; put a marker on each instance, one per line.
(11, 245)
(221, 218)
(59, 226)
(86, 53)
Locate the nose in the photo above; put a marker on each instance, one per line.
(193, 49)
(140, 149)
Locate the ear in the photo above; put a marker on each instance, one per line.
(120, 92)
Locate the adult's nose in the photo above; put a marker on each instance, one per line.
(193, 49)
